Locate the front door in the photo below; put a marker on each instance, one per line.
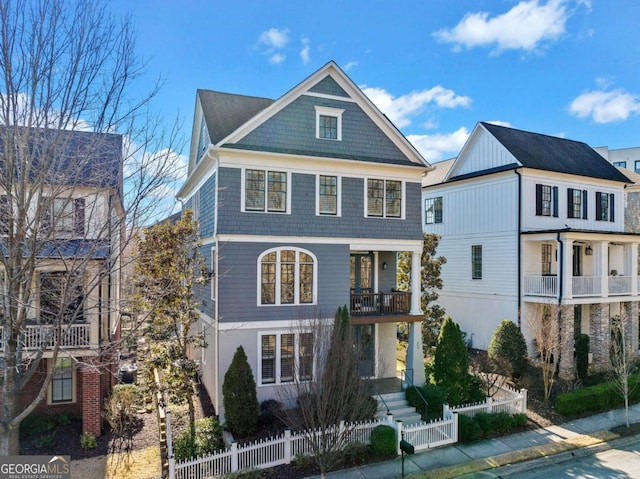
(364, 342)
(361, 273)
(577, 260)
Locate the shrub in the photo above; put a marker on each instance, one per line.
(355, 454)
(600, 397)
(468, 429)
(239, 396)
(88, 440)
(488, 425)
(270, 412)
(204, 438)
(46, 441)
(582, 356)
(184, 446)
(508, 346)
(120, 409)
(383, 441)
(433, 394)
(36, 424)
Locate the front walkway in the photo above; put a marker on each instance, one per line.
(460, 459)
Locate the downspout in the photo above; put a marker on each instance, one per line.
(560, 267)
(519, 247)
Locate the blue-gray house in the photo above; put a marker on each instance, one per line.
(304, 203)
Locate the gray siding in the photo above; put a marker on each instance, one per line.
(208, 207)
(202, 292)
(237, 283)
(303, 220)
(328, 86)
(294, 130)
(387, 277)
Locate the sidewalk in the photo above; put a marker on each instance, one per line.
(460, 459)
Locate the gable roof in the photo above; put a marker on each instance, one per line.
(439, 174)
(551, 153)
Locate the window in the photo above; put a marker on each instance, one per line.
(285, 357)
(476, 262)
(384, 198)
(576, 203)
(203, 138)
(212, 275)
(328, 123)
(620, 164)
(605, 206)
(265, 191)
(61, 297)
(286, 276)
(636, 166)
(546, 258)
(433, 210)
(546, 200)
(62, 381)
(328, 200)
(64, 216)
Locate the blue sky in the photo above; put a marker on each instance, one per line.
(569, 68)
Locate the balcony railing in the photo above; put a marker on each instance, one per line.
(380, 304)
(536, 285)
(38, 337)
(581, 286)
(586, 286)
(619, 285)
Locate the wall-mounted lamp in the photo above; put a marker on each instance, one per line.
(588, 250)
(384, 265)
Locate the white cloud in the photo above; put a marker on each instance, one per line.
(605, 106)
(275, 38)
(306, 49)
(350, 65)
(402, 109)
(277, 58)
(500, 123)
(440, 146)
(524, 27)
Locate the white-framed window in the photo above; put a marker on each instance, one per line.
(266, 191)
(620, 164)
(545, 258)
(546, 200)
(285, 357)
(328, 195)
(636, 166)
(328, 123)
(287, 276)
(384, 198)
(61, 389)
(605, 206)
(433, 210)
(64, 216)
(213, 274)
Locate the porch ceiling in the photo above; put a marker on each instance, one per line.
(391, 318)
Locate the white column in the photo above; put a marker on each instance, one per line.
(416, 286)
(632, 257)
(567, 270)
(603, 267)
(415, 359)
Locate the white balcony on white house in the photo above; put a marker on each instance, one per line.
(583, 268)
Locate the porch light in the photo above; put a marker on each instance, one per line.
(384, 265)
(588, 250)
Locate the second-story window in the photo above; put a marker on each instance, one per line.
(476, 261)
(328, 199)
(265, 190)
(546, 200)
(620, 164)
(433, 210)
(61, 297)
(287, 276)
(576, 203)
(605, 206)
(64, 216)
(384, 198)
(328, 123)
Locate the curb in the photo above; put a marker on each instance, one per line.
(591, 443)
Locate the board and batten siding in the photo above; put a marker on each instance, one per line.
(484, 153)
(302, 221)
(531, 222)
(238, 279)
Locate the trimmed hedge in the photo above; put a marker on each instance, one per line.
(600, 397)
(383, 441)
(484, 425)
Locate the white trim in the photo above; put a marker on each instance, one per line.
(266, 171)
(213, 280)
(74, 383)
(354, 243)
(296, 281)
(333, 113)
(278, 359)
(203, 351)
(289, 324)
(338, 213)
(327, 96)
(403, 200)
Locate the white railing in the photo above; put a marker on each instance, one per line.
(619, 284)
(43, 336)
(586, 286)
(283, 449)
(506, 400)
(539, 285)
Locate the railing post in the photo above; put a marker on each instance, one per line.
(398, 435)
(234, 457)
(445, 410)
(287, 446)
(523, 401)
(390, 418)
(455, 427)
(489, 402)
(170, 456)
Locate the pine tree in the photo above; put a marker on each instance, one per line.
(239, 396)
(451, 363)
(508, 347)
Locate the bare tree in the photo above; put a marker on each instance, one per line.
(329, 394)
(542, 322)
(622, 362)
(78, 157)
(490, 371)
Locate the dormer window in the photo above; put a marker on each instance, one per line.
(328, 123)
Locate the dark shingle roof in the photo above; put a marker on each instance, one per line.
(226, 112)
(550, 153)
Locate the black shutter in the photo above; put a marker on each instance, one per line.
(598, 205)
(612, 208)
(538, 199)
(569, 202)
(555, 201)
(584, 205)
(78, 216)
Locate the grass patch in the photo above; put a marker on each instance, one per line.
(136, 464)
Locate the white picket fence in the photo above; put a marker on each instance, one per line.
(283, 449)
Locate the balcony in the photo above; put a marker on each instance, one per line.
(581, 286)
(74, 336)
(380, 304)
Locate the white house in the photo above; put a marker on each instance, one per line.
(533, 225)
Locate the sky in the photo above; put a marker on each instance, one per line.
(568, 68)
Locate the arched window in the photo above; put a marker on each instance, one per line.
(287, 275)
